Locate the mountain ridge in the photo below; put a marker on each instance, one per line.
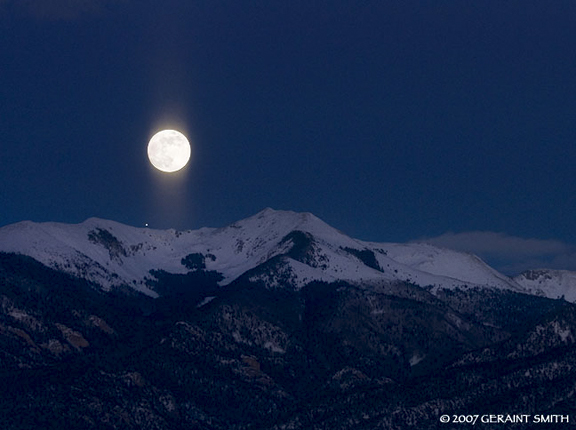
(112, 254)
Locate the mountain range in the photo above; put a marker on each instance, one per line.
(278, 321)
(299, 245)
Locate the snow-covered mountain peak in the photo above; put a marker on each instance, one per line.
(549, 283)
(283, 222)
(462, 266)
(277, 247)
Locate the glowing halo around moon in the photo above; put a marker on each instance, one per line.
(169, 151)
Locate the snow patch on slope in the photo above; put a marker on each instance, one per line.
(461, 268)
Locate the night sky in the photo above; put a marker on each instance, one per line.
(452, 121)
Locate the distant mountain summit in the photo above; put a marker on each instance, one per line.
(281, 249)
(554, 284)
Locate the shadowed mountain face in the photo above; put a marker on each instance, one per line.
(328, 356)
(284, 344)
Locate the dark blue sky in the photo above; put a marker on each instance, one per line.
(391, 120)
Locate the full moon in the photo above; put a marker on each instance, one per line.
(169, 150)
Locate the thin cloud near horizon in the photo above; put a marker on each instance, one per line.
(508, 254)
